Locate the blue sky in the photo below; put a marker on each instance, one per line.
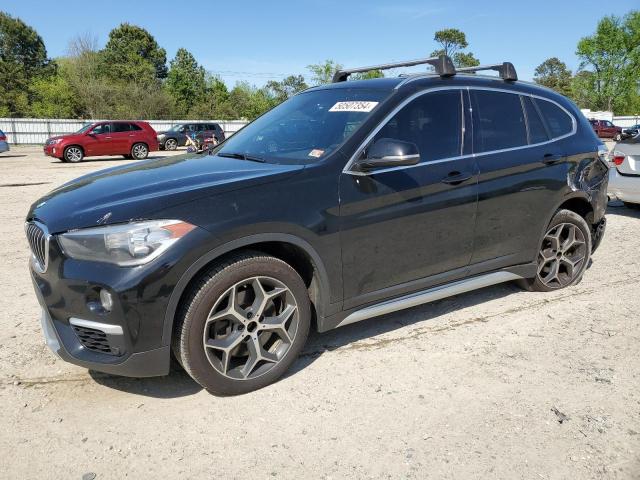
(261, 40)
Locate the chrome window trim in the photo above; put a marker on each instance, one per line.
(347, 168)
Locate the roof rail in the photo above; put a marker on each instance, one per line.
(506, 70)
(443, 65)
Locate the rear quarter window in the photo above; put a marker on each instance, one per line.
(558, 121)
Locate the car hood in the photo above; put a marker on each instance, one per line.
(69, 136)
(130, 192)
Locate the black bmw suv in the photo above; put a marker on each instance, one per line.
(346, 202)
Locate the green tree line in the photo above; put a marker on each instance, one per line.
(131, 77)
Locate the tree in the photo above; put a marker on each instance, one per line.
(367, 75)
(287, 88)
(612, 55)
(185, 81)
(132, 54)
(461, 60)
(53, 97)
(452, 41)
(553, 73)
(23, 56)
(322, 73)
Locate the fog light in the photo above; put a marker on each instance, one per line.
(106, 300)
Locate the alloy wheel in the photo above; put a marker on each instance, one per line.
(73, 154)
(170, 144)
(562, 255)
(139, 151)
(250, 328)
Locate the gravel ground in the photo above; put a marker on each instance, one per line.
(497, 383)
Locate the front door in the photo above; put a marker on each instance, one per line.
(401, 225)
(98, 140)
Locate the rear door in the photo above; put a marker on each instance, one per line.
(122, 138)
(402, 226)
(522, 171)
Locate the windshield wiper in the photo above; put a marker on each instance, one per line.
(241, 156)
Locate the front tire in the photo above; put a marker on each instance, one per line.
(617, 137)
(242, 324)
(564, 254)
(73, 154)
(170, 144)
(139, 151)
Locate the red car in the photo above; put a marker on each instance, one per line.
(606, 129)
(132, 139)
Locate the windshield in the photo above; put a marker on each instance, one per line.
(85, 128)
(175, 128)
(306, 127)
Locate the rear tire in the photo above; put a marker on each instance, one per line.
(73, 154)
(242, 324)
(139, 151)
(563, 255)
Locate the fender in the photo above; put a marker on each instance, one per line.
(217, 252)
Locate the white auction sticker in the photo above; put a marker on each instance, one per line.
(353, 107)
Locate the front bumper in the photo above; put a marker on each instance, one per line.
(152, 363)
(52, 151)
(4, 147)
(129, 339)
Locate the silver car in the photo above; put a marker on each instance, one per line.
(4, 145)
(624, 173)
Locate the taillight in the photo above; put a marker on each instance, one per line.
(3, 137)
(617, 157)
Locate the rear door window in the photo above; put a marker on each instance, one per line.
(558, 121)
(498, 121)
(133, 127)
(537, 131)
(119, 127)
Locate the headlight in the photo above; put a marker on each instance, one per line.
(54, 141)
(125, 244)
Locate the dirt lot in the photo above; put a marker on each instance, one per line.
(497, 383)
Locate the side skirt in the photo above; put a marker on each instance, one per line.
(429, 295)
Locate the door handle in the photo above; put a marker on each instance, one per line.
(456, 178)
(107, 138)
(552, 158)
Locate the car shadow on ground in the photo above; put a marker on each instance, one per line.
(11, 156)
(343, 337)
(179, 384)
(92, 160)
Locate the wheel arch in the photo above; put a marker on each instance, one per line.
(64, 150)
(578, 203)
(292, 249)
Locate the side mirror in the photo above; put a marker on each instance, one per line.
(388, 152)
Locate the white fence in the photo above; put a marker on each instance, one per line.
(627, 121)
(37, 130)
